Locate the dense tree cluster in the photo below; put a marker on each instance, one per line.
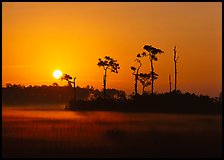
(19, 94)
(172, 102)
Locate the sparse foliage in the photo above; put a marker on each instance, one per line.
(151, 53)
(67, 78)
(108, 64)
(145, 80)
(135, 73)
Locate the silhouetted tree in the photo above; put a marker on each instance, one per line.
(8, 85)
(152, 52)
(67, 78)
(170, 82)
(135, 73)
(175, 68)
(116, 94)
(145, 80)
(55, 84)
(108, 63)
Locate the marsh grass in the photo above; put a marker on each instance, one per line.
(49, 133)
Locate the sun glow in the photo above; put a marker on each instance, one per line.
(57, 74)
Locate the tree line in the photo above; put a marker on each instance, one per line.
(55, 94)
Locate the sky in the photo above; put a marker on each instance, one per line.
(40, 37)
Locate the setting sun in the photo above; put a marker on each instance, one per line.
(57, 74)
(112, 79)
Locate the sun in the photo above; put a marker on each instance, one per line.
(57, 74)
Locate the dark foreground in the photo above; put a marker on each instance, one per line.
(49, 133)
(172, 104)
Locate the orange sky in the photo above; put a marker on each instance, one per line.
(38, 38)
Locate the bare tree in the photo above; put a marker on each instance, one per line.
(135, 73)
(170, 82)
(175, 68)
(152, 52)
(108, 63)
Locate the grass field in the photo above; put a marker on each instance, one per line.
(28, 132)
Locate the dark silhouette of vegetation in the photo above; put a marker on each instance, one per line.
(89, 98)
(175, 58)
(174, 102)
(67, 78)
(108, 64)
(220, 97)
(14, 94)
(136, 73)
(170, 83)
(145, 80)
(152, 53)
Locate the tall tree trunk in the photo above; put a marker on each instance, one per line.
(175, 69)
(152, 74)
(74, 91)
(136, 81)
(104, 84)
(170, 82)
(136, 78)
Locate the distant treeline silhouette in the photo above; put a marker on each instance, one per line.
(53, 94)
(172, 102)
